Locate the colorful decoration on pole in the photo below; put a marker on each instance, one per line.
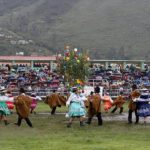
(73, 66)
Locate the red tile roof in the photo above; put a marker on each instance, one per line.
(9, 58)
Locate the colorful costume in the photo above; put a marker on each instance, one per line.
(34, 101)
(10, 101)
(3, 106)
(4, 111)
(107, 102)
(23, 104)
(76, 106)
(143, 105)
(55, 100)
(132, 105)
(95, 108)
(118, 103)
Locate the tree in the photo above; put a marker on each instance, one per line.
(74, 66)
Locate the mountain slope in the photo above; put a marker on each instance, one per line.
(112, 29)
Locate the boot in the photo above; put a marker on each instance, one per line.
(28, 122)
(82, 124)
(130, 116)
(114, 110)
(69, 125)
(121, 110)
(53, 111)
(6, 122)
(100, 121)
(89, 121)
(137, 118)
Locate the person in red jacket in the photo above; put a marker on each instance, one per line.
(107, 102)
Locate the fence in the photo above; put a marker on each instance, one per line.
(114, 89)
(114, 92)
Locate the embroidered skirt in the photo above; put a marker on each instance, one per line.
(76, 109)
(4, 109)
(143, 109)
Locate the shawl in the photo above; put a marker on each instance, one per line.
(23, 104)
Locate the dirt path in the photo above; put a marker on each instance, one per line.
(110, 117)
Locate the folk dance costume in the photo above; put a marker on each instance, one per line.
(95, 107)
(4, 111)
(76, 107)
(23, 105)
(10, 101)
(55, 100)
(143, 105)
(118, 103)
(34, 102)
(89, 99)
(107, 102)
(132, 104)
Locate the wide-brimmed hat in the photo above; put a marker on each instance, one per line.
(74, 89)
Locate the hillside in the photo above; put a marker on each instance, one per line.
(109, 29)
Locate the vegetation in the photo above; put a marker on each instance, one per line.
(50, 132)
(109, 29)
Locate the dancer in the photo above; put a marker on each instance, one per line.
(95, 107)
(143, 105)
(34, 102)
(118, 103)
(4, 111)
(107, 101)
(55, 100)
(23, 105)
(132, 104)
(76, 107)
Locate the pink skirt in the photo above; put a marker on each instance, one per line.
(33, 104)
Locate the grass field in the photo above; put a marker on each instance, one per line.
(51, 133)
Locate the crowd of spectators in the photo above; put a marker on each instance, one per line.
(40, 78)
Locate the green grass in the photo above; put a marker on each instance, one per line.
(51, 133)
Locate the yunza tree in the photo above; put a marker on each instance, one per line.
(74, 66)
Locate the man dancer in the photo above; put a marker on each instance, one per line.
(23, 104)
(95, 107)
(132, 104)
